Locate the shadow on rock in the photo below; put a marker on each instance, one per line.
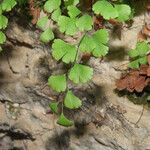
(59, 141)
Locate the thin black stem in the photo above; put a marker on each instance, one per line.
(62, 107)
(75, 60)
(67, 74)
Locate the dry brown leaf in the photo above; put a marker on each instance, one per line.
(143, 69)
(85, 57)
(34, 11)
(147, 5)
(144, 33)
(135, 80)
(147, 82)
(98, 22)
(141, 37)
(140, 84)
(121, 84)
(148, 72)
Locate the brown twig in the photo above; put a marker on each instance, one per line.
(140, 116)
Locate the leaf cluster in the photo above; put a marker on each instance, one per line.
(139, 54)
(71, 20)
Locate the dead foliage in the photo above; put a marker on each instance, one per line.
(136, 79)
(144, 33)
(34, 11)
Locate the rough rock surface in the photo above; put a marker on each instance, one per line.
(105, 122)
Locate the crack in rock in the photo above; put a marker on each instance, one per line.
(14, 133)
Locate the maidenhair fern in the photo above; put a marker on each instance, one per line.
(70, 21)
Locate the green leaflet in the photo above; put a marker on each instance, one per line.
(57, 82)
(84, 23)
(100, 50)
(143, 60)
(2, 37)
(87, 44)
(64, 51)
(73, 11)
(133, 53)
(96, 44)
(62, 120)
(101, 36)
(71, 101)
(67, 25)
(54, 107)
(3, 22)
(121, 12)
(134, 64)
(80, 73)
(7, 5)
(47, 35)
(124, 12)
(142, 48)
(56, 14)
(106, 9)
(71, 25)
(52, 5)
(42, 22)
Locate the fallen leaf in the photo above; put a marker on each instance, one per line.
(144, 33)
(140, 84)
(146, 30)
(147, 82)
(147, 5)
(121, 84)
(141, 37)
(34, 11)
(143, 69)
(135, 79)
(148, 72)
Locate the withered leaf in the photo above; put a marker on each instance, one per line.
(148, 72)
(144, 33)
(140, 84)
(34, 11)
(98, 22)
(143, 69)
(121, 84)
(135, 79)
(85, 57)
(147, 82)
